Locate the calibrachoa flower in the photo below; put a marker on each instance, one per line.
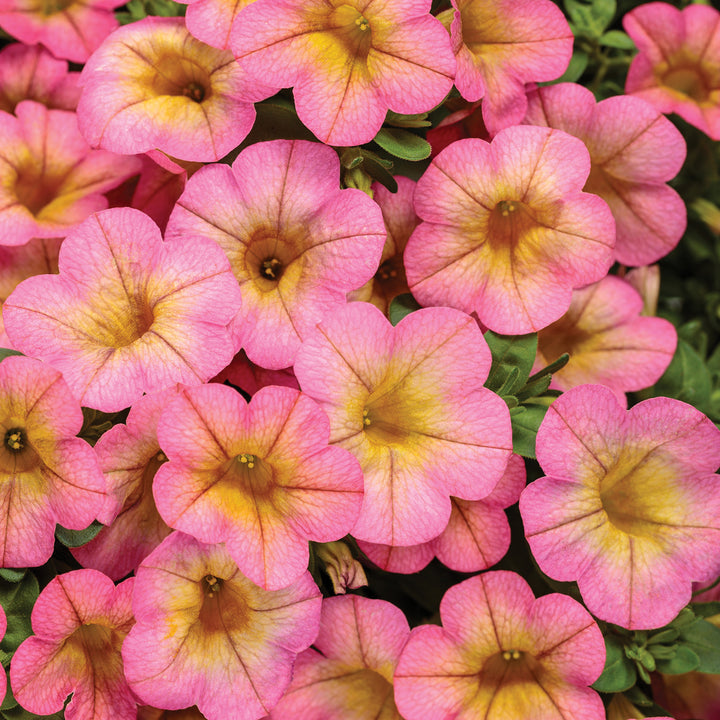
(128, 313)
(129, 456)
(296, 242)
(500, 45)
(50, 178)
(609, 342)
(630, 506)
(501, 654)
(259, 477)
(47, 475)
(505, 238)
(634, 150)
(476, 537)
(400, 220)
(30, 72)
(348, 63)
(409, 403)
(678, 66)
(152, 85)
(70, 29)
(80, 620)
(207, 636)
(348, 673)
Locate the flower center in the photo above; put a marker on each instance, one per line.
(195, 91)
(688, 81)
(15, 440)
(223, 608)
(271, 268)
(211, 585)
(641, 494)
(176, 75)
(19, 455)
(34, 191)
(50, 7)
(251, 475)
(352, 29)
(510, 222)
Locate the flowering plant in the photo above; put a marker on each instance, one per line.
(359, 359)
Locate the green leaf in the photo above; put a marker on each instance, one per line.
(524, 428)
(12, 575)
(7, 352)
(76, 538)
(703, 638)
(401, 306)
(510, 352)
(403, 144)
(684, 660)
(687, 378)
(591, 19)
(617, 39)
(18, 600)
(706, 609)
(405, 121)
(619, 673)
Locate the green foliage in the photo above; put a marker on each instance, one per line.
(689, 643)
(138, 9)
(590, 19)
(6, 352)
(403, 144)
(527, 396)
(619, 673)
(76, 538)
(401, 306)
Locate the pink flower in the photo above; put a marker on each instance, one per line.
(79, 621)
(207, 636)
(507, 232)
(630, 506)
(71, 29)
(609, 342)
(501, 654)
(47, 475)
(128, 313)
(400, 220)
(476, 537)
(501, 45)
(50, 178)
(409, 403)
(259, 477)
(296, 242)
(30, 72)
(152, 85)
(348, 673)
(678, 66)
(634, 150)
(129, 457)
(347, 63)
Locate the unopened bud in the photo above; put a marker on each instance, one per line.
(345, 572)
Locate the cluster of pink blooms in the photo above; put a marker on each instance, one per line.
(153, 261)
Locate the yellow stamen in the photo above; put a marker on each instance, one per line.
(362, 23)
